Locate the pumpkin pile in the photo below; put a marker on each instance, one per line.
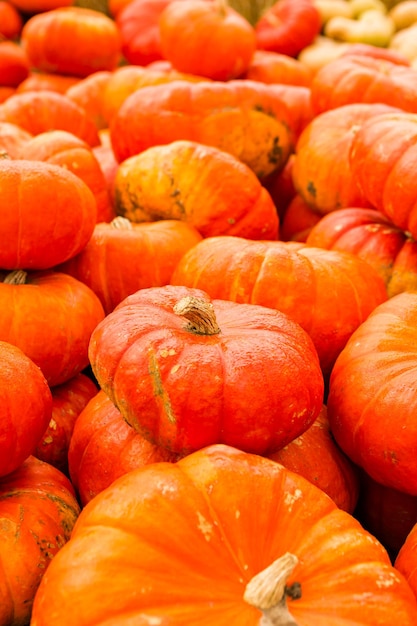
(208, 328)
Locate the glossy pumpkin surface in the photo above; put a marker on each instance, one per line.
(222, 516)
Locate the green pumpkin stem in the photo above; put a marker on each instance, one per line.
(267, 591)
(17, 277)
(200, 315)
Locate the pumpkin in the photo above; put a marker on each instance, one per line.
(123, 257)
(273, 67)
(298, 221)
(30, 7)
(11, 20)
(372, 395)
(321, 169)
(329, 293)
(26, 407)
(281, 187)
(68, 400)
(103, 447)
(406, 561)
(12, 138)
(43, 110)
(14, 64)
(373, 237)
(363, 79)
(46, 81)
(386, 54)
(6, 92)
(206, 187)
(188, 28)
(241, 117)
(107, 161)
(50, 316)
(71, 40)
(62, 148)
(38, 510)
(387, 513)
(189, 357)
(88, 93)
(48, 214)
(382, 158)
(221, 537)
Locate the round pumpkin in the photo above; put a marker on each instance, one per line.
(273, 67)
(11, 20)
(123, 257)
(406, 561)
(46, 81)
(48, 214)
(207, 371)
(224, 538)
(50, 316)
(371, 401)
(204, 186)
(88, 93)
(14, 64)
(38, 510)
(329, 293)
(12, 138)
(26, 407)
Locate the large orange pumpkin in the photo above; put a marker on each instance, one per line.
(329, 293)
(372, 400)
(207, 371)
(220, 538)
(38, 510)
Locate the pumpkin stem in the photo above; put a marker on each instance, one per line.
(122, 223)
(200, 315)
(268, 591)
(252, 10)
(17, 277)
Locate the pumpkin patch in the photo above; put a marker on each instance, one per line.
(208, 283)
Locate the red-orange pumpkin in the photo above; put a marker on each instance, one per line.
(372, 400)
(14, 64)
(50, 316)
(207, 371)
(12, 138)
(406, 561)
(26, 407)
(68, 400)
(123, 257)
(273, 67)
(329, 293)
(38, 510)
(11, 20)
(48, 214)
(88, 93)
(45, 81)
(194, 542)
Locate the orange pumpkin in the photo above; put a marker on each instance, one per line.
(298, 221)
(123, 257)
(71, 40)
(38, 510)
(26, 407)
(12, 138)
(188, 355)
(223, 538)
(206, 187)
(49, 214)
(329, 293)
(273, 67)
(44, 81)
(11, 20)
(406, 561)
(14, 64)
(88, 94)
(242, 117)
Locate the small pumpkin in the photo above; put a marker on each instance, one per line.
(189, 357)
(206, 187)
(406, 561)
(14, 64)
(224, 538)
(88, 93)
(46, 81)
(11, 20)
(38, 510)
(12, 138)
(26, 407)
(274, 67)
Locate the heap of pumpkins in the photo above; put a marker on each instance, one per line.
(208, 319)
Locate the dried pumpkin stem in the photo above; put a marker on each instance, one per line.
(268, 590)
(252, 10)
(200, 315)
(17, 277)
(121, 223)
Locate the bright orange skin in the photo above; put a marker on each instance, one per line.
(26, 407)
(41, 81)
(372, 401)
(72, 40)
(205, 187)
(12, 138)
(190, 535)
(406, 561)
(60, 147)
(383, 159)
(374, 238)
(43, 110)
(188, 28)
(38, 510)
(298, 220)
(244, 118)
(103, 447)
(329, 293)
(50, 218)
(88, 93)
(14, 64)
(273, 67)
(117, 261)
(256, 384)
(68, 400)
(359, 78)
(50, 318)
(11, 21)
